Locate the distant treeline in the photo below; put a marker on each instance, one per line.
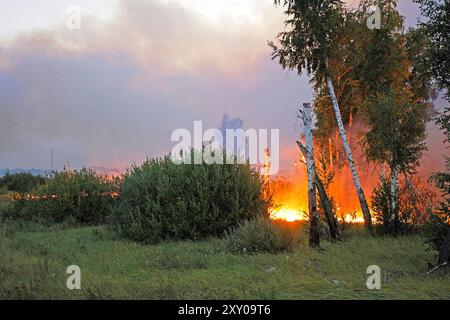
(20, 182)
(34, 172)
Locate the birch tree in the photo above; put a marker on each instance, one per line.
(396, 134)
(324, 200)
(396, 91)
(437, 32)
(314, 235)
(306, 46)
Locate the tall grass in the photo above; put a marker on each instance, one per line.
(261, 235)
(34, 263)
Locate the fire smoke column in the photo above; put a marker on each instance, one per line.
(235, 124)
(314, 237)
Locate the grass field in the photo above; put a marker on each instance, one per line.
(33, 262)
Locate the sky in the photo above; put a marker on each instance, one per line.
(112, 92)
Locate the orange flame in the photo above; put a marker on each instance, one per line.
(289, 215)
(289, 193)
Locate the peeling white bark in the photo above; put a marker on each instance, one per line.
(307, 124)
(314, 238)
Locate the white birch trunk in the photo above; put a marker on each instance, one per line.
(394, 188)
(351, 163)
(314, 239)
(325, 201)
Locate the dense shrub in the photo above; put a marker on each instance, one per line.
(261, 235)
(20, 182)
(412, 208)
(436, 230)
(161, 200)
(6, 208)
(79, 196)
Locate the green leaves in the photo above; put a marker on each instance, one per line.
(437, 30)
(160, 200)
(312, 25)
(397, 130)
(81, 197)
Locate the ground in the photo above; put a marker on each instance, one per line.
(34, 259)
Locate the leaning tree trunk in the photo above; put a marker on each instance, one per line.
(314, 235)
(351, 163)
(324, 201)
(326, 204)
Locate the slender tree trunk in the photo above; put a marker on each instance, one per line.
(351, 163)
(394, 195)
(314, 235)
(324, 201)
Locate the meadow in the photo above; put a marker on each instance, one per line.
(34, 259)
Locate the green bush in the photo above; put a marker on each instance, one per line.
(6, 208)
(20, 182)
(381, 203)
(161, 200)
(408, 219)
(81, 197)
(439, 224)
(435, 230)
(261, 235)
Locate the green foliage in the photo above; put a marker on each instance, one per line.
(397, 130)
(443, 121)
(396, 136)
(421, 77)
(261, 235)
(409, 216)
(20, 182)
(381, 57)
(436, 27)
(6, 209)
(439, 224)
(313, 26)
(436, 230)
(81, 197)
(436, 32)
(33, 266)
(442, 181)
(395, 89)
(161, 200)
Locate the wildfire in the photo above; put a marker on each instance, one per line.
(288, 214)
(293, 215)
(288, 193)
(289, 197)
(352, 219)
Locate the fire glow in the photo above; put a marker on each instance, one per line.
(289, 194)
(289, 215)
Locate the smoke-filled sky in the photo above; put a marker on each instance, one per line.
(111, 93)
